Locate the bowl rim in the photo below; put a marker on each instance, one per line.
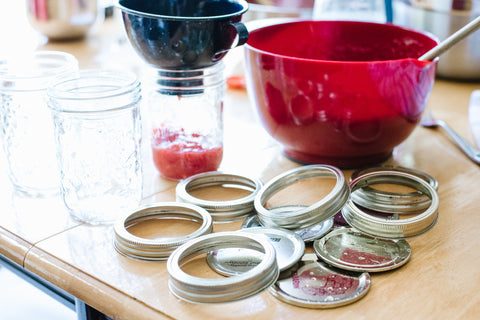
(427, 34)
(125, 9)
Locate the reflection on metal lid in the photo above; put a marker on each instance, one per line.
(289, 249)
(315, 285)
(348, 249)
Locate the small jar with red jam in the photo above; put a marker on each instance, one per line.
(186, 117)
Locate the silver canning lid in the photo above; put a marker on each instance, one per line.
(308, 234)
(289, 249)
(348, 249)
(220, 210)
(306, 217)
(392, 202)
(316, 285)
(203, 290)
(158, 249)
(386, 228)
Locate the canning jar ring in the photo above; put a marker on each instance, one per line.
(158, 249)
(392, 202)
(224, 211)
(308, 216)
(204, 290)
(386, 228)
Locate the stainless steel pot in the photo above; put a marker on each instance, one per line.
(443, 18)
(64, 19)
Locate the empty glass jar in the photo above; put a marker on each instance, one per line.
(98, 133)
(25, 120)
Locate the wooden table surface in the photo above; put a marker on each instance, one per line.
(441, 280)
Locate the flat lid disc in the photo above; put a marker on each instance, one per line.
(349, 249)
(316, 285)
(289, 248)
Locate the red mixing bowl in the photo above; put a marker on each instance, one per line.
(338, 92)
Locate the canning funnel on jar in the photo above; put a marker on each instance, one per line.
(184, 42)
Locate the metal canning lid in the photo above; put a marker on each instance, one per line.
(203, 290)
(384, 227)
(392, 202)
(158, 249)
(251, 222)
(289, 248)
(348, 249)
(311, 215)
(316, 285)
(224, 211)
(308, 234)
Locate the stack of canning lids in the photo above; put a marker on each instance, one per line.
(269, 251)
(379, 221)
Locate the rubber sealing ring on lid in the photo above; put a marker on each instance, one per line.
(386, 228)
(237, 287)
(224, 211)
(158, 249)
(392, 202)
(311, 215)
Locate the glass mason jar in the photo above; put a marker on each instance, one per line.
(26, 124)
(97, 121)
(186, 118)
